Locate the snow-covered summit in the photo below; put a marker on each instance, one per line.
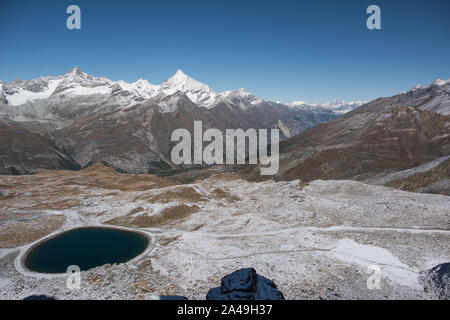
(436, 96)
(76, 82)
(437, 82)
(440, 82)
(79, 83)
(75, 72)
(338, 103)
(182, 82)
(141, 89)
(241, 97)
(199, 93)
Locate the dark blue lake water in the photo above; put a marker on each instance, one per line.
(86, 248)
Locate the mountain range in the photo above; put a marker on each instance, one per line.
(76, 83)
(75, 119)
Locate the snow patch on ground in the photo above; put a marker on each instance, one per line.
(350, 251)
(5, 251)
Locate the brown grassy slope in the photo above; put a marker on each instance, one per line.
(428, 181)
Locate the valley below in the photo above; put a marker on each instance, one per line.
(314, 239)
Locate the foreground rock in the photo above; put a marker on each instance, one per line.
(436, 281)
(245, 284)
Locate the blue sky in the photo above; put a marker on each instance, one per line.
(279, 50)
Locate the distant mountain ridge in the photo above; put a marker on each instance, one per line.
(77, 83)
(337, 106)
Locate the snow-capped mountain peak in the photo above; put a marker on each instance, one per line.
(145, 87)
(341, 107)
(199, 93)
(182, 82)
(75, 75)
(437, 82)
(75, 71)
(337, 105)
(143, 83)
(440, 82)
(241, 97)
(141, 89)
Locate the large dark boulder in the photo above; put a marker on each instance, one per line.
(436, 281)
(245, 284)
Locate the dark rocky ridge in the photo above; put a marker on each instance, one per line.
(27, 148)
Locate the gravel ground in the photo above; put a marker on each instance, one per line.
(315, 241)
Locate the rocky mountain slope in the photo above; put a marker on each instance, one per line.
(75, 119)
(383, 136)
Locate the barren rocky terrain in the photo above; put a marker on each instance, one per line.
(381, 137)
(315, 240)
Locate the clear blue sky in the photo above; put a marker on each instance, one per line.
(279, 50)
